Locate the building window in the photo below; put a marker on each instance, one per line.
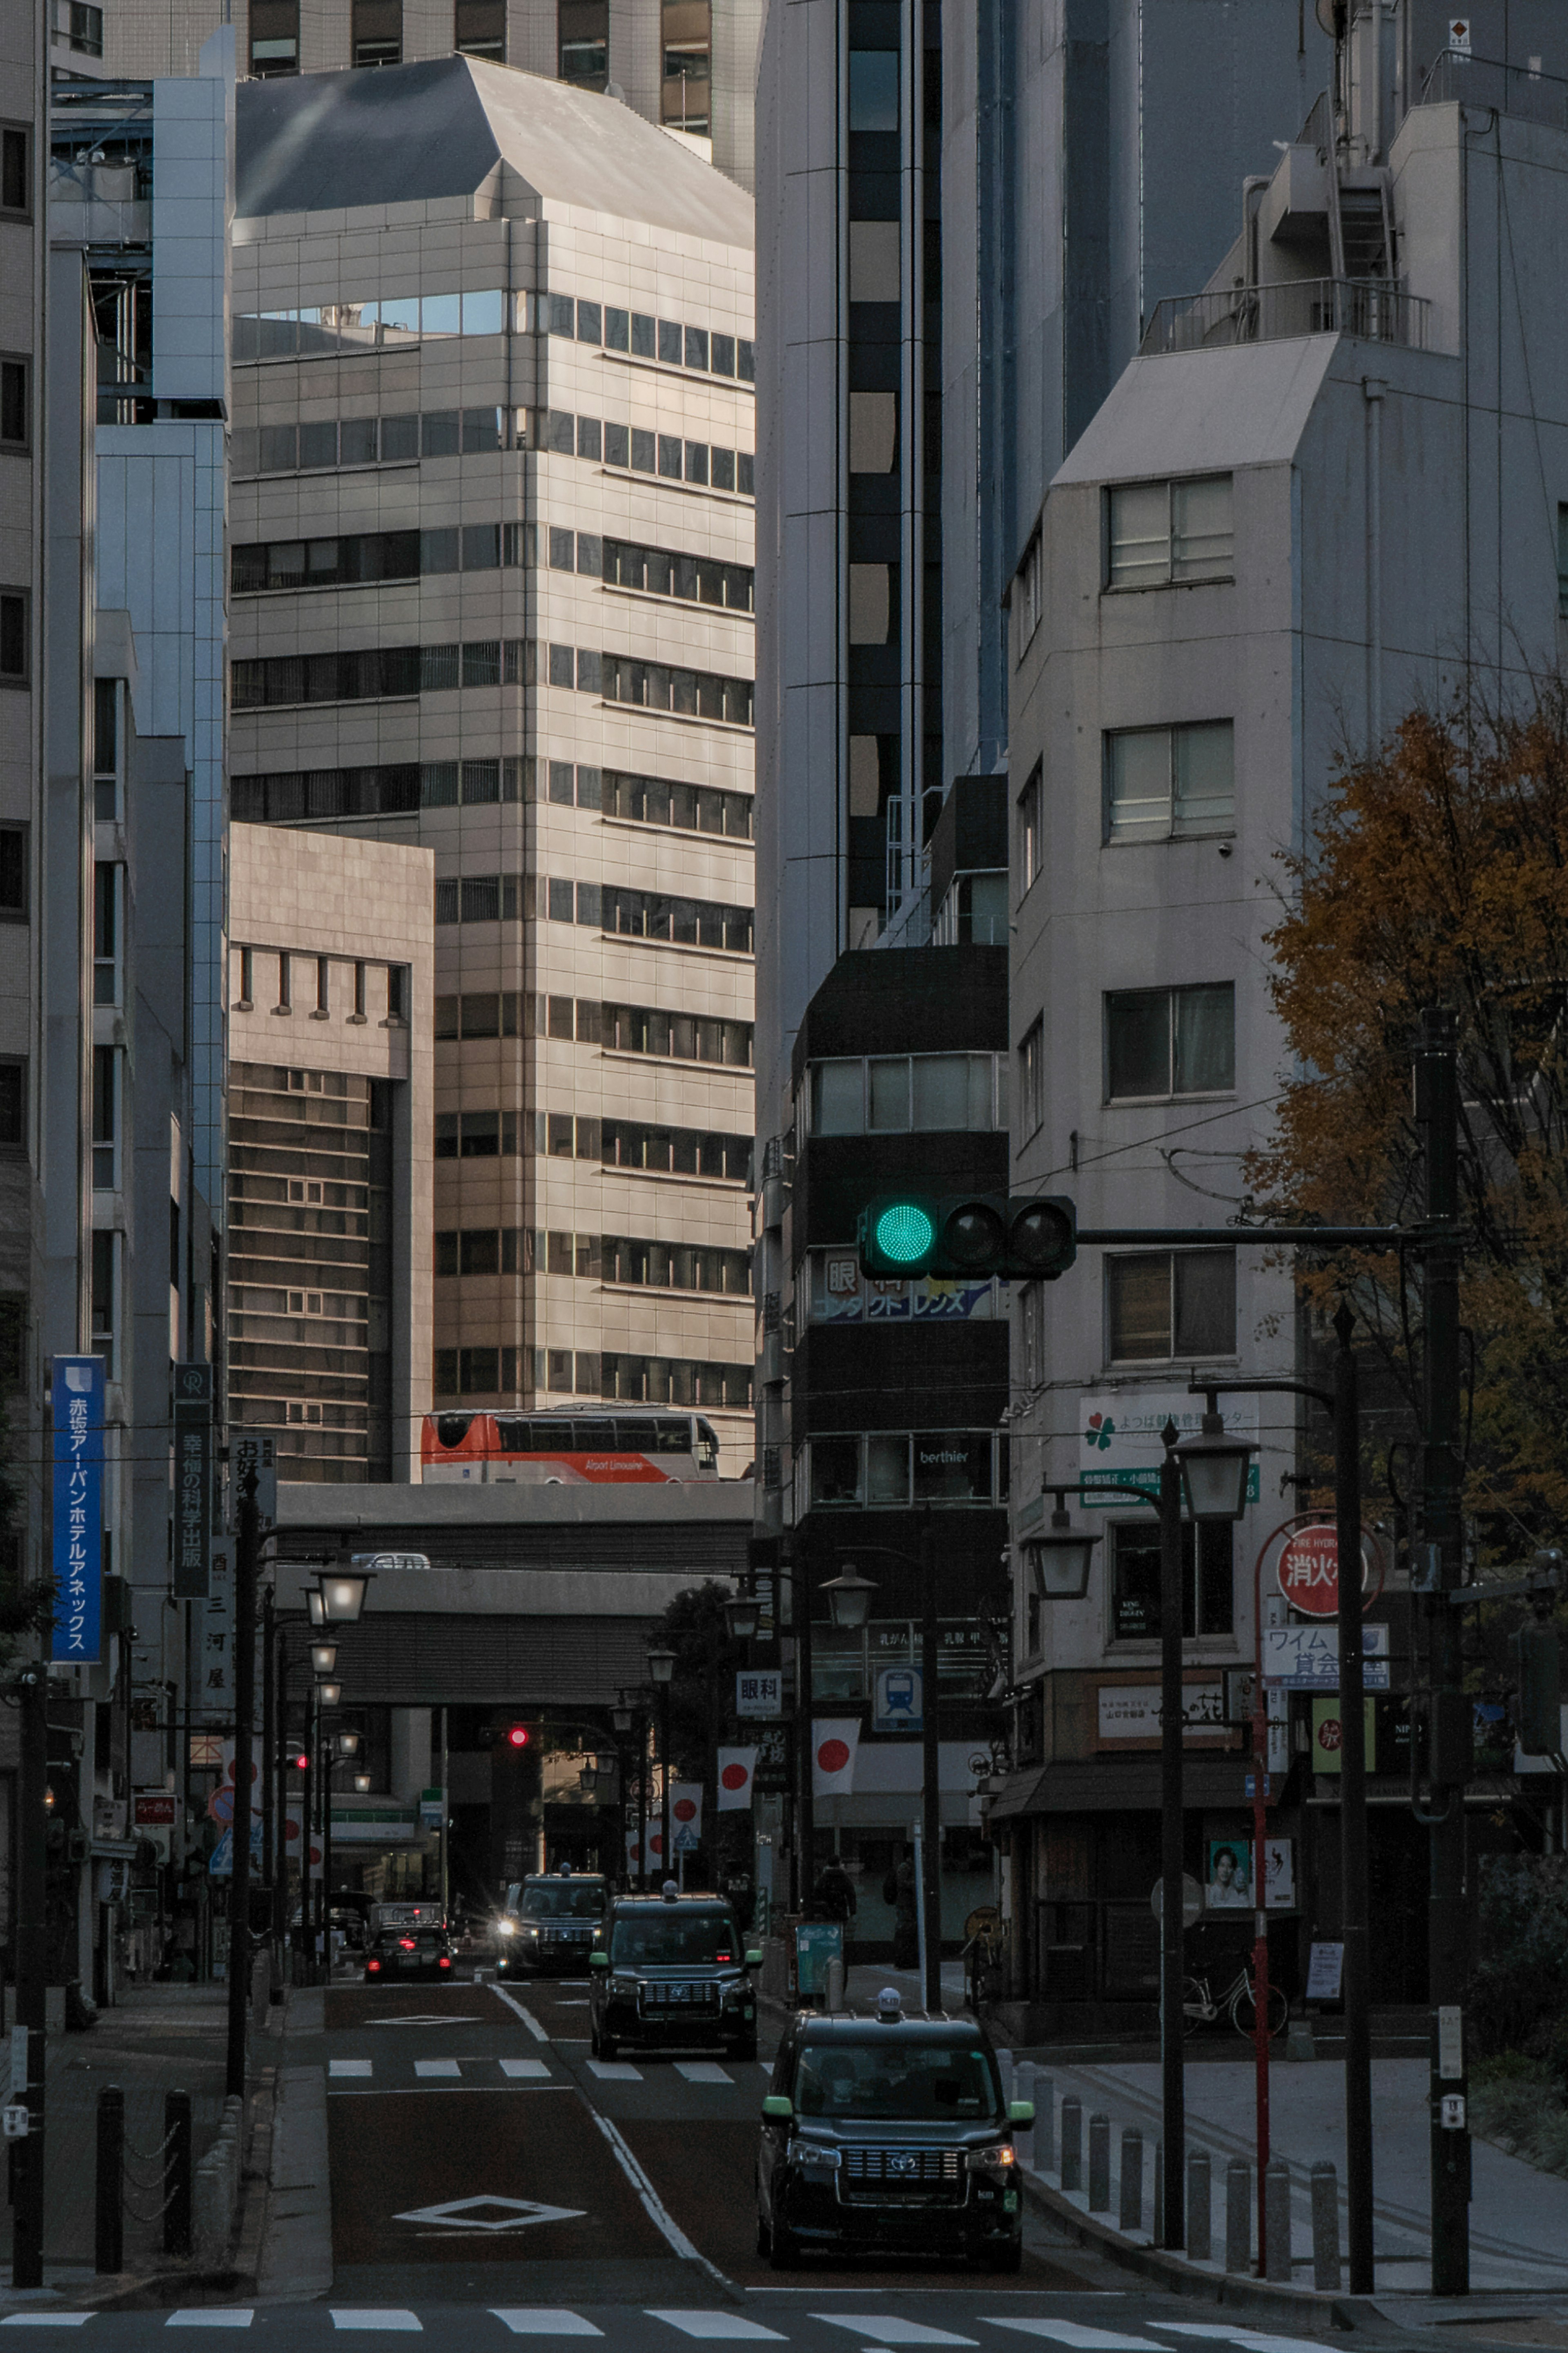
(1208, 1579)
(582, 29)
(15, 421)
(873, 429)
(377, 32)
(1160, 532)
(13, 646)
(1032, 1079)
(274, 38)
(105, 1272)
(1031, 577)
(13, 873)
(874, 261)
(1170, 1041)
(1029, 803)
(688, 66)
(1168, 784)
(1161, 1305)
(873, 89)
(479, 30)
(105, 1119)
(890, 1468)
(13, 1103)
(894, 1093)
(16, 170)
(108, 881)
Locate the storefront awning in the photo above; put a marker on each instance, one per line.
(1114, 1785)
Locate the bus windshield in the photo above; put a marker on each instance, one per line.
(673, 1940)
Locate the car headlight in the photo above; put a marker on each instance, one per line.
(627, 1985)
(506, 1927)
(1000, 2159)
(528, 1929)
(812, 2152)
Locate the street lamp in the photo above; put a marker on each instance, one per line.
(742, 1615)
(661, 1668)
(343, 1594)
(323, 1658)
(362, 1784)
(1061, 1558)
(315, 1603)
(348, 1743)
(1215, 1468)
(329, 1693)
(849, 1598)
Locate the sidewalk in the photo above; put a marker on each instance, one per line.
(157, 2038)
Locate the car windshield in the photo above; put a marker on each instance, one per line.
(914, 2082)
(673, 1939)
(571, 1900)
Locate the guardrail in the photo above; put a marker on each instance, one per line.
(1374, 308)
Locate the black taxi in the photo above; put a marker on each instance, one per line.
(669, 1971)
(547, 1923)
(888, 2130)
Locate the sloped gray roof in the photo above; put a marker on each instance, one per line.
(403, 134)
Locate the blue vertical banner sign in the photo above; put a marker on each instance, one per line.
(78, 1401)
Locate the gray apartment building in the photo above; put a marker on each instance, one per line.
(492, 595)
(686, 65)
(1328, 484)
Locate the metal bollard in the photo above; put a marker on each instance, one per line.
(1072, 2143)
(833, 1986)
(1159, 2229)
(176, 2173)
(1130, 2211)
(1045, 2133)
(109, 2222)
(1325, 2225)
(1099, 2164)
(1005, 2069)
(1238, 2215)
(1026, 2138)
(1276, 2216)
(1200, 2208)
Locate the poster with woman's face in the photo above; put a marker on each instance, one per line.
(1229, 1886)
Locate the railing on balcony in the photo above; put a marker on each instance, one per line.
(1371, 308)
(1518, 91)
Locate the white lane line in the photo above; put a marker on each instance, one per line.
(527, 2016)
(717, 2328)
(543, 2320)
(350, 2066)
(702, 2070)
(527, 2071)
(359, 2315)
(615, 2071)
(447, 2068)
(1073, 2333)
(892, 2329)
(653, 2205)
(219, 2315)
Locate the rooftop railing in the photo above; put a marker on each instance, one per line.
(1371, 307)
(1520, 90)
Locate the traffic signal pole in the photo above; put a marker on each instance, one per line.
(32, 1972)
(931, 1768)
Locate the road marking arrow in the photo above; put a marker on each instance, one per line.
(491, 2215)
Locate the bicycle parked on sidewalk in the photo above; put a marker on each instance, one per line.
(1203, 2007)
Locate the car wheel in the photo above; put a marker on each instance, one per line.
(1009, 2258)
(746, 2049)
(784, 2248)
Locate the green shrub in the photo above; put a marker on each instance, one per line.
(1520, 1980)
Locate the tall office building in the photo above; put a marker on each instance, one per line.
(687, 65)
(492, 594)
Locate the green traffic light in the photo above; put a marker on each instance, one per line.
(904, 1233)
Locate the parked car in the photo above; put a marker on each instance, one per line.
(548, 1923)
(407, 1940)
(670, 1973)
(887, 2131)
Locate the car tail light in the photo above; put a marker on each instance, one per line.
(445, 1962)
(373, 1968)
(406, 1943)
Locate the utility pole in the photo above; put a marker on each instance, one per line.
(32, 1972)
(1173, 1825)
(268, 1769)
(1436, 1106)
(247, 1545)
(930, 1787)
(1355, 1968)
(805, 1729)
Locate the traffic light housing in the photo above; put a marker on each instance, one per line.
(512, 1737)
(1539, 1725)
(967, 1237)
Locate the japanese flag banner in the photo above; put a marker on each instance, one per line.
(632, 1849)
(833, 1742)
(737, 1769)
(685, 1809)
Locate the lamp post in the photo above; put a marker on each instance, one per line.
(1343, 1405)
(1213, 1467)
(662, 1671)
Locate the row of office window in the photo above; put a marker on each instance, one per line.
(897, 1093)
(372, 558)
(369, 673)
(617, 1259)
(591, 1372)
(394, 322)
(1159, 1043)
(401, 788)
(654, 915)
(340, 444)
(586, 1021)
(375, 34)
(642, 1147)
(670, 342)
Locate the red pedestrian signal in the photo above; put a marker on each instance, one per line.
(517, 1736)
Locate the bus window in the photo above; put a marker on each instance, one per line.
(594, 1437)
(511, 1436)
(633, 1437)
(451, 1429)
(673, 1436)
(707, 1447)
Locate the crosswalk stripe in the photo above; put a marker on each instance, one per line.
(702, 2070)
(542, 2319)
(1073, 2333)
(615, 2071)
(726, 2328)
(350, 2066)
(1251, 2340)
(525, 2071)
(892, 2329)
(359, 2315)
(446, 2068)
(217, 2316)
(44, 2319)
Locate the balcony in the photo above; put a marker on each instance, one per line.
(1374, 308)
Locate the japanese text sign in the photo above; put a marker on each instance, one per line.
(77, 1402)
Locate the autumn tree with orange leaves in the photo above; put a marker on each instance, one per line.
(1437, 874)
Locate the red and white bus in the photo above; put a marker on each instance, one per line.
(629, 1448)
